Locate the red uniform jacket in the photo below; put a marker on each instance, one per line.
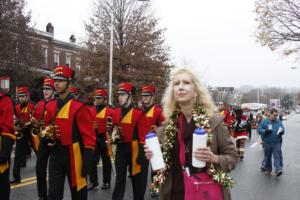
(227, 118)
(39, 110)
(101, 117)
(38, 114)
(6, 125)
(128, 122)
(73, 111)
(24, 114)
(152, 117)
(132, 130)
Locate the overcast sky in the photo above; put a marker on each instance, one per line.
(215, 37)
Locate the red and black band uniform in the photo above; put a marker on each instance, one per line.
(43, 152)
(154, 118)
(102, 149)
(72, 153)
(7, 139)
(24, 144)
(130, 153)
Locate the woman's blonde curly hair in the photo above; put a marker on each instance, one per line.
(203, 95)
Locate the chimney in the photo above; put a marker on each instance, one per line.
(50, 28)
(72, 39)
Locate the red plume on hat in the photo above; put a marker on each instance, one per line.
(125, 88)
(148, 90)
(48, 83)
(63, 73)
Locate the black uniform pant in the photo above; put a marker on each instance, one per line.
(23, 149)
(41, 169)
(139, 181)
(5, 185)
(101, 150)
(59, 168)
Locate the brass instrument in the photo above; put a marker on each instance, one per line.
(35, 127)
(19, 126)
(50, 133)
(18, 132)
(117, 134)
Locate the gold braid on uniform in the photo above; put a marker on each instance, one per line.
(201, 119)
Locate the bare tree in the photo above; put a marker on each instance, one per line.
(140, 53)
(278, 25)
(19, 52)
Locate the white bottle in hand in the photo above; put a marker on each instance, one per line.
(199, 141)
(157, 161)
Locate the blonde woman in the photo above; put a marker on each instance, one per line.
(187, 105)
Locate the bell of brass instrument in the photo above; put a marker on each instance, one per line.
(35, 127)
(18, 132)
(117, 134)
(49, 134)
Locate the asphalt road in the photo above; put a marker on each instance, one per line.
(251, 184)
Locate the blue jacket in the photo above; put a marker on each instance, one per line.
(271, 138)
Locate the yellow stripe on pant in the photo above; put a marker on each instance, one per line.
(80, 181)
(136, 168)
(5, 166)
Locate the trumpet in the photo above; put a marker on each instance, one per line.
(19, 126)
(18, 132)
(50, 134)
(36, 127)
(117, 134)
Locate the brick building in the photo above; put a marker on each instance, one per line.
(57, 52)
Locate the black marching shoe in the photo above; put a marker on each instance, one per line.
(105, 186)
(93, 186)
(15, 181)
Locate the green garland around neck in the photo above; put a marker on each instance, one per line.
(201, 118)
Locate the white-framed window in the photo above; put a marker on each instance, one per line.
(45, 54)
(68, 60)
(56, 58)
(78, 65)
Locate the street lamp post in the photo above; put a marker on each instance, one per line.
(111, 55)
(110, 100)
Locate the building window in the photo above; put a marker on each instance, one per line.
(68, 60)
(78, 65)
(56, 58)
(45, 54)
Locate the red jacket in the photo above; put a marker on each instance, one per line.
(39, 110)
(227, 118)
(7, 136)
(6, 117)
(101, 117)
(128, 123)
(152, 117)
(24, 114)
(73, 111)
